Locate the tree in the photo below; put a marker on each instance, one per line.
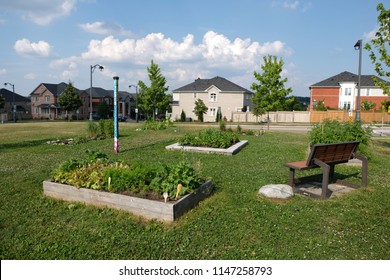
(381, 42)
(293, 104)
(270, 91)
(367, 105)
(182, 116)
(200, 109)
(154, 97)
(103, 109)
(319, 106)
(70, 99)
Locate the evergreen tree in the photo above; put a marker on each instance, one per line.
(182, 116)
(270, 92)
(70, 99)
(103, 109)
(200, 109)
(381, 43)
(154, 97)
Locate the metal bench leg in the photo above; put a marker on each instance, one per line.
(364, 168)
(325, 176)
(291, 177)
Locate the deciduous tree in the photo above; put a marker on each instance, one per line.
(270, 92)
(70, 99)
(200, 109)
(381, 43)
(154, 97)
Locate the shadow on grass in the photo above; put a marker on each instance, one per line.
(24, 144)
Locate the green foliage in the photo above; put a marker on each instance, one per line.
(212, 138)
(153, 97)
(200, 109)
(99, 173)
(333, 131)
(239, 129)
(183, 116)
(218, 117)
(293, 104)
(381, 57)
(157, 125)
(270, 92)
(320, 106)
(103, 109)
(70, 99)
(106, 128)
(92, 130)
(367, 105)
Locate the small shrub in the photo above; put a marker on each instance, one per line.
(212, 138)
(183, 116)
(92, 129)
(333, 131)
(157, 125)
(239, 129)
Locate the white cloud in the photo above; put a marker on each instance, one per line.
(105, 28)
(25, 47)
(30, 76)
(290, 5)
(41, 12)
(368, 36)
(3, 71)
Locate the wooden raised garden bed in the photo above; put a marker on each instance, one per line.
(150, 209)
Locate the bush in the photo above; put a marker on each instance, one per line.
(157, 125)
(333, 131)
(183, 116)
(210, 138)
(106, 128)
(92, 130)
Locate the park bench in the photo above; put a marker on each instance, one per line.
(326, 156)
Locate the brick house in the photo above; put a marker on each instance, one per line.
(340, 91)
(44, 101)
(217, 94)
(21, 104)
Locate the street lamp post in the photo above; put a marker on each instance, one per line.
(90, 89)
(358, 46)
(136, 101)
(13, 100)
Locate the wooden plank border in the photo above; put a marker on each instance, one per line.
(150, 209)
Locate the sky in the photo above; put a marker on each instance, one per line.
(53, 41)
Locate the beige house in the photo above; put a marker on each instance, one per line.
(217, 94)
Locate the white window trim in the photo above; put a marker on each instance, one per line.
(212, 111)
(213, 99)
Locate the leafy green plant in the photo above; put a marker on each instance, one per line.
(92, 129)
(183, 116)
(333, 131)
(157, 125)
(99, 173)
(210, 138)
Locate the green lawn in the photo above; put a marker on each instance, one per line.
(234, 223)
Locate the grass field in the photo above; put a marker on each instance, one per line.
(234, 223)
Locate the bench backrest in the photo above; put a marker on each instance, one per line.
(332, 153)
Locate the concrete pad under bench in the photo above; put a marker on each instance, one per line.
(150, 209)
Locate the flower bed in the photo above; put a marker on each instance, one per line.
(97, 180)
(150, 209)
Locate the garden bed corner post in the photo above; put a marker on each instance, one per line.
(116, 144)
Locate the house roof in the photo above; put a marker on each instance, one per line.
(8, 96)
(203, 84)
(334, 81)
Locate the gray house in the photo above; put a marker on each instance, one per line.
(217, 94)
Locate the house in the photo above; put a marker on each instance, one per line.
(44, 101)
(217, 94)
(340, 91)
(17, 101)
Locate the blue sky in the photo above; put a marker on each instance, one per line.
(55, 41)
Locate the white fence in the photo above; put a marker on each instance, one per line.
(274, 117)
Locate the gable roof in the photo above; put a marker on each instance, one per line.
(55, 89)
(334, 81)
(9, 96)
(204, 84)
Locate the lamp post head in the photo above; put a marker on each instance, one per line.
(358, 45)
(101, 68)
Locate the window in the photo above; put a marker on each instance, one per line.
(36, 110)
(194, 95)
(213, 97)
(47, 98)
(212, 112)
(347, 91)
(347, 105)
(36, 98)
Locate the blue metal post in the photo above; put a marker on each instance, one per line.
(116, 144)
